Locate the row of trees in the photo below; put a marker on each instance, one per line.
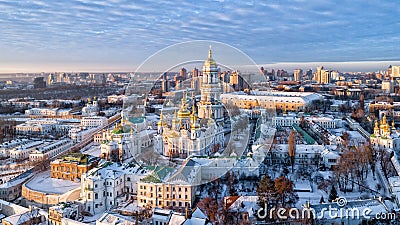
(354, 165)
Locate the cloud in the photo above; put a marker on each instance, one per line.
(46, 31)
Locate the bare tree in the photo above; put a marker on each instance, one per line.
(292, 147)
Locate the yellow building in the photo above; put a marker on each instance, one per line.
(71, 166)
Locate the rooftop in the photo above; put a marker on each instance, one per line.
(42, 182)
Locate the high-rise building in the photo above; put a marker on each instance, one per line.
(309, 74)
(297, 74)
(195, 79)
(39, 82)
(322, 76)
(50, 79)
(195, 72)
(395, 71)
(183, 73)
(165, 83)
(237, 82)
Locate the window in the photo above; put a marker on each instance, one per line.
(96, 196)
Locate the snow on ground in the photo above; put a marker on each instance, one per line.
(43, 183)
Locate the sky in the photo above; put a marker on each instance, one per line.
(118, 35)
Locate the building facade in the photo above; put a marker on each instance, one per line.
(72, 166)
(50, 150)
(104, 186)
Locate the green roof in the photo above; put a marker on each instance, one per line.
(158, 174)
(307, 138)
(118, 130)
(136, 120)
(76, 157)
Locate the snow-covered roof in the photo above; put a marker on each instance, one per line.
(17, 180)
(245, 204)
(114, 219)
(177, 218)
(43, 183)
(106, 170)
(199, 214)
(161, 214)
(301, 148)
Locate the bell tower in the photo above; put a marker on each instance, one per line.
(210, 105)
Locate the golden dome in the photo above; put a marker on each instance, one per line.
(210, 62)
(376, 125)
(183, 112)
(161, 122)
(193, 118)
(384, 120)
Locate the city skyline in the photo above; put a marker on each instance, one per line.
(45, 36)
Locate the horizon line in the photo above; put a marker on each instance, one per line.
(124, 70)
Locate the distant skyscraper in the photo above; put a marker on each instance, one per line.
(183, 73)
(395, 71)
(322, 75)
(271, 75)
(39, 82)
(165, 84)
(50, 79)
(195, 72)
(297, 74)
(309, 74)
(334, 75)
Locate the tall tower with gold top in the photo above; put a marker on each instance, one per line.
(210, 105)
(384, 127)
(184, 115)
